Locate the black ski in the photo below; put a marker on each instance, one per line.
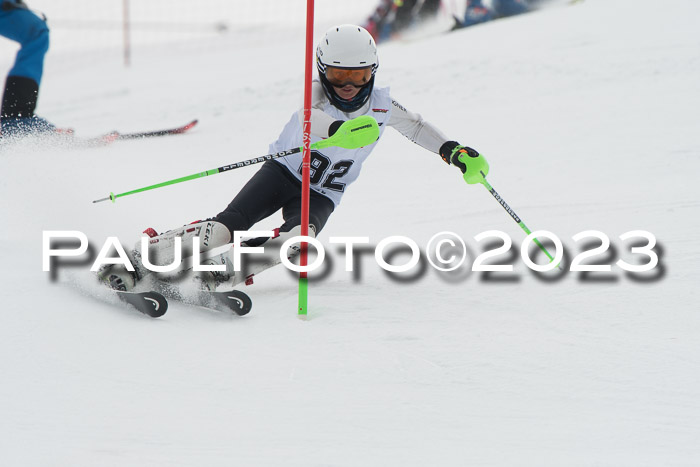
(151, 134)
(152, 304)
(67, 136)
(234, 300)
(113, 136)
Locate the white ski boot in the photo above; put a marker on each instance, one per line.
(210, 280)
(161, 251)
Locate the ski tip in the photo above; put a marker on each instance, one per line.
(184, 128)
(235, 300)
(151, 303)
(111, 137)
(159, 304)
(190, 125)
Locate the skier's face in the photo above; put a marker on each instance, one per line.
(347, 82)
(346, 92)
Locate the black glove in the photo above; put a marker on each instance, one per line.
(451, 150)
(472, 164)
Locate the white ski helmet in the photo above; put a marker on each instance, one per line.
(347, 54)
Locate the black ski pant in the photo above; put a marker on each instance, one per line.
(273, 188)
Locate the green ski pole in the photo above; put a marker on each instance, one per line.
(476, 170)
(355, 133)
(517, 219)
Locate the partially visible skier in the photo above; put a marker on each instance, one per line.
(347, 63)
(21, 91)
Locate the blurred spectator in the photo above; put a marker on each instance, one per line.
(477, 12)
(394, 16)
(19, 99)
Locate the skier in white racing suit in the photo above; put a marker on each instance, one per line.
(347, 63)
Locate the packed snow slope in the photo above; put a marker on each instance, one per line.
(588, 117)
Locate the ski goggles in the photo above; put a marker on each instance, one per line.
(340, 77)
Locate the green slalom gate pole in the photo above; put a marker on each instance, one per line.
(476, 170)
(353, 134)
